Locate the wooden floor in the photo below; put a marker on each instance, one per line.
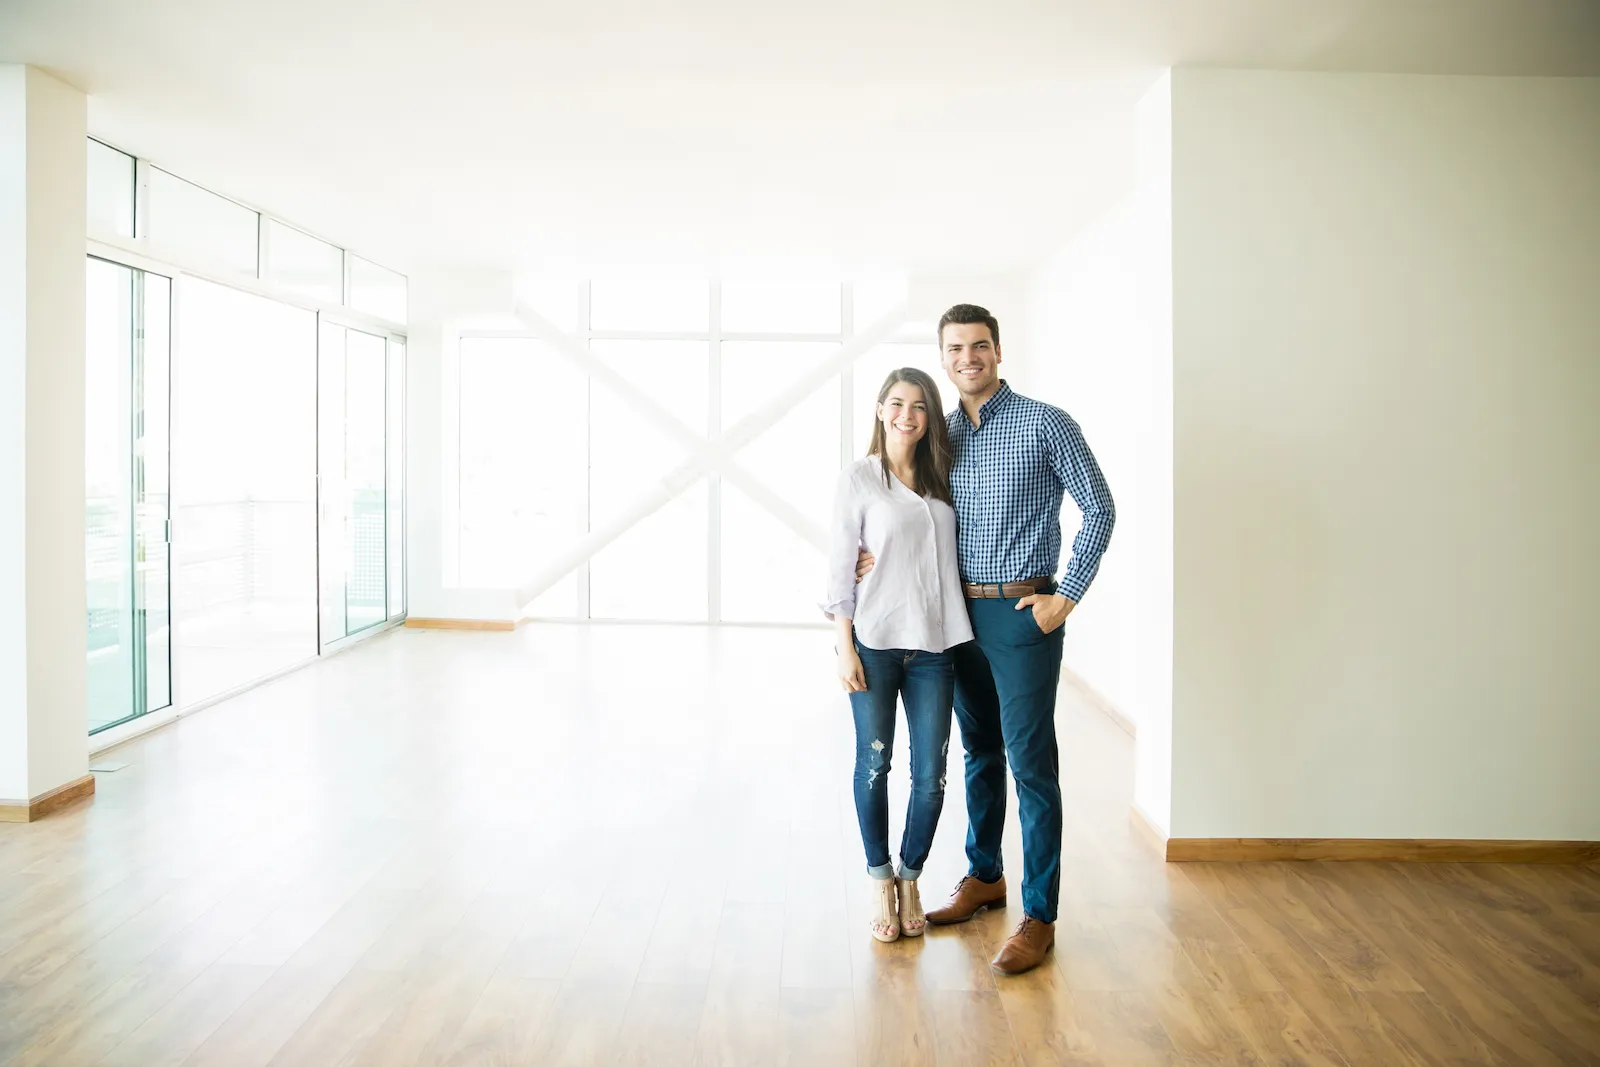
(636, 845)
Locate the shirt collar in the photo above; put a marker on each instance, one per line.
(992, 406)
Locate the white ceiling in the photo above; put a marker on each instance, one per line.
(923, 134)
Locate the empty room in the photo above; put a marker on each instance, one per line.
(871, 533)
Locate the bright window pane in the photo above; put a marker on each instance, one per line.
(657, 569)
(557, 300)
(201, 225)
(377, 290)
(653, 305)
(629, 452)
(629, 456)
(108, 469)
(366, 357)
(876, 297)
(523, 495)
(111, 191)
(797, 458)
(153, 452)
(780, 307)
(333, 519)
(244, 488)
(757, 373)
(869, 374)
(754, 541)
(396, 475)
(302, 264)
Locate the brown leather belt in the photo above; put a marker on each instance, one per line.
(1007, 591)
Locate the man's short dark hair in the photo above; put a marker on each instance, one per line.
(967, 315)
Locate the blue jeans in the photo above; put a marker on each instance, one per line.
(924, 681)
(1006, 683)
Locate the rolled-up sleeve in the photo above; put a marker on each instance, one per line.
(839, 600)
(1075, 465)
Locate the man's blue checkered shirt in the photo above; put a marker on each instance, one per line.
(1011, 472)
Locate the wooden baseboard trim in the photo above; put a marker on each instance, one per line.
(45, 803)
(459, 624)
(1145, 829)
(1389, 850)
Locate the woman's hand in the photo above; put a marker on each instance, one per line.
(851, 676)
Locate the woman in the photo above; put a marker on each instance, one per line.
(896, 627)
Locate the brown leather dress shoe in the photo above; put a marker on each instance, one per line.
(971, 896)
(1026, 948)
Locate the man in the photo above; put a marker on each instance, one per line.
(1015, 459)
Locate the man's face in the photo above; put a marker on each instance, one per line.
(970, 356)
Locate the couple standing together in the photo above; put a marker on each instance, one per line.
(942, 585)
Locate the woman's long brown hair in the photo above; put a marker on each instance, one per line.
(933, 457)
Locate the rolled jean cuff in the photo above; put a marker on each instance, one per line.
(909, 874)
(883, 872)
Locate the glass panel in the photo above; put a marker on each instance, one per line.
(629, 455)
(377, 290)
(332, 523)
(152, 455)
(111, 191)
(876, 297)
(243, 488)
(652, 305)
(365, 360)
(868, 377)
(108, 462)
(396, 478)
(657, 569)
(791, 568)
(196, 223)
(556, 299)
(754, 373)
(780, 307)
(302, 264)
(524, 498)
(797, 456)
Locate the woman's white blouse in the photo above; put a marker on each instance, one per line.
(912, 598)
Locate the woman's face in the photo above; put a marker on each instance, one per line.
(904, 413)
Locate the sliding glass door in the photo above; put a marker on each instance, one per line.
(244, 458)
(126, 464)
(354, 467)
(244, 473)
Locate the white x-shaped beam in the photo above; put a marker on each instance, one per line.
(705, 455)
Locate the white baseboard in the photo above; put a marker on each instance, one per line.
(1109, 709)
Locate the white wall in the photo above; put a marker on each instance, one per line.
(1387, 371)
(43, 723)
(1099, 346)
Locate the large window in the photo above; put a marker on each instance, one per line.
(281, 531)
(630, 444)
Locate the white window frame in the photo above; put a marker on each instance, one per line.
(576, 344)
